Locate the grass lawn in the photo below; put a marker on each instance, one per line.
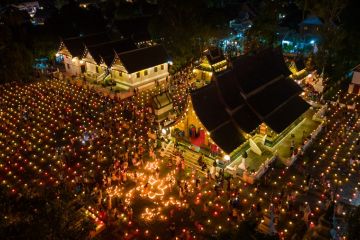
(254, 161)
(296, 135)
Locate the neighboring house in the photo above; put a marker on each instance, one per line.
(38, 11)
(213, 61)
(311, 25)
(354, 86)
(28, 6)
(40, 17)
(242, 23)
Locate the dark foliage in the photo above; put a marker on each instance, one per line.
(354, 224)
(186, 26)
(55, 214)
(15, 56)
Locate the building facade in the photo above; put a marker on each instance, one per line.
(97, 58)
(141, 67)
(212, 61)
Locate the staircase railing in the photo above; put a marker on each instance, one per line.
(101, 77)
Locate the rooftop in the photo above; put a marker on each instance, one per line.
(76, 45)
(240, 99)
(214, 55)
(107, 50)
(143, 58)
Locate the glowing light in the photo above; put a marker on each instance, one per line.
(227, 157)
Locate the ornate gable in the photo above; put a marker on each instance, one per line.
(118, 65)
(63, 50)
(87, 56)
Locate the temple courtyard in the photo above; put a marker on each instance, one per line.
(57, 133)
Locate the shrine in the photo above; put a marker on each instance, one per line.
(243, 114)
(212, 61)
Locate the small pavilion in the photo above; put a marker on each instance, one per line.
(212, 61)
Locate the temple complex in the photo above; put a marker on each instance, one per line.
(243, 114)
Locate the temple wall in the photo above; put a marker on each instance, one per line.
(191, 120)
(72, 67)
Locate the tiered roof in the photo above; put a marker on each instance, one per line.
(162, 100)
(257, 89)
(214, 55)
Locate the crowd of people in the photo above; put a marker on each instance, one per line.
(55, 132)
(61, 131)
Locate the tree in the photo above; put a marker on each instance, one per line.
(54, 214)
(263, 32)
(15, 56)
(15, 63)
(58, 4)
(328, 10)
(354, 224)
(334, 55)
(73, 20)
(186, 26)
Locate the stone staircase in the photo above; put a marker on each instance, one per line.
(169, 150)
(190, 157)
(191, 160)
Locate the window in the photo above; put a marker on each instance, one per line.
(138, 74)
(155, 69)
(162, 66)
(120, 74)
(145, 72)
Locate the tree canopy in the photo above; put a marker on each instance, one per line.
(186, 26)
(55, 214)
(338, 51)
(263, 32)
(354, 224)
(15, 56)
